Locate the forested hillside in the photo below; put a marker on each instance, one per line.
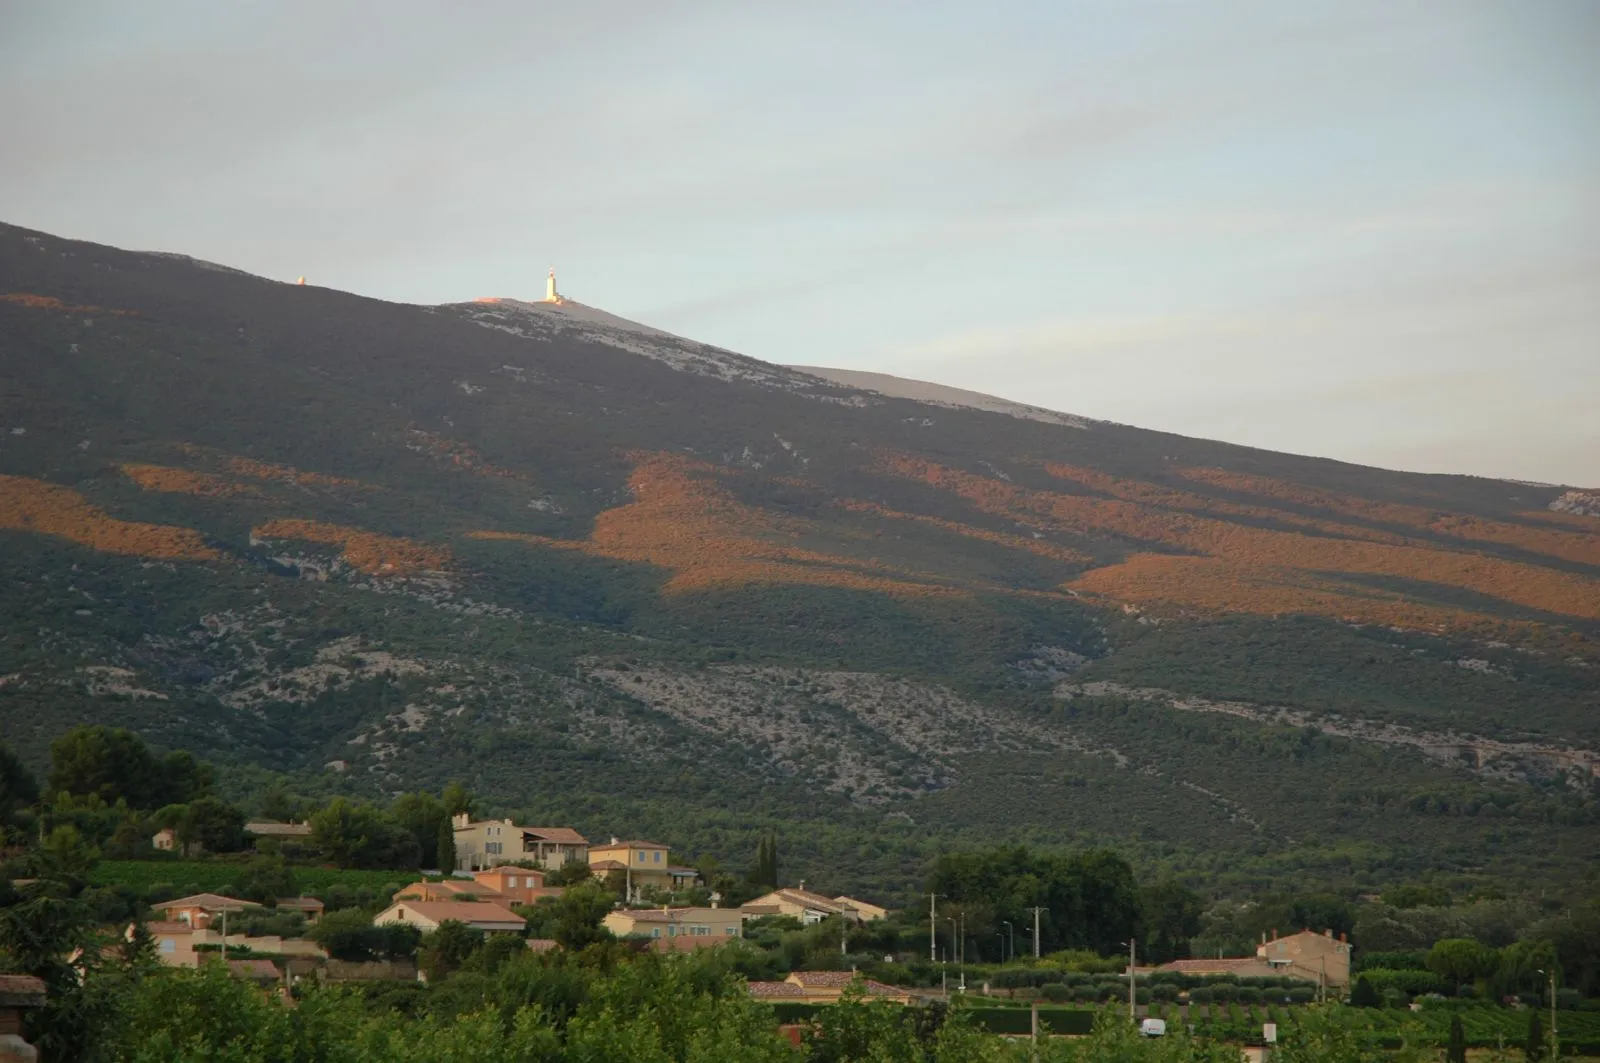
(617, 578)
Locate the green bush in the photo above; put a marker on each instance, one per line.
(1055, 992)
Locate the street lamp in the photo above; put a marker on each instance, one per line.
(1555, 1037)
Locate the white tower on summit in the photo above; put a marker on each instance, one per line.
(550, 293)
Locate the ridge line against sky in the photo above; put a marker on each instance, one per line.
(1353, 230)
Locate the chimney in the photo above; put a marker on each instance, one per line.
(1328, 933)
(802, 884)
(613, 839)
(1342, 936)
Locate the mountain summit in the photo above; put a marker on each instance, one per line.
(606, 573)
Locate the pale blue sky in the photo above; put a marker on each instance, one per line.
(1368, 231)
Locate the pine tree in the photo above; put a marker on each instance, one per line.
(1456, 1048)
(765, 871)
(1534, 1049)
(445, 847)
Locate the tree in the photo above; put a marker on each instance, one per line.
(112, 763)
(264, 879)
(456, 799)
(1523, 965)
(765, 870)
(1170, 917)
(447, 948)
(1533, 1048)
(444, 847)
(1461, 960)
(214, 825)
(18, 789)
(573, 919)
(347, 934)
(1364, 995)
(423, 814)
(1455, 1050)
(355, 834)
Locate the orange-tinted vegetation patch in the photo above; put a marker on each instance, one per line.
(1151, 494)
(266, 470)
(1243, 545)
(49, 302)
(1570, 546)
(1214, 585)
(184, 482)
(50, 509)
(368, 551)
(682, 520)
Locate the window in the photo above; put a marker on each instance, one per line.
(641, 858)
(511, 880)
(655, 931)
(658, 856)
(168, 945)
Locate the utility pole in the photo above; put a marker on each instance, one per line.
(955, 939)
(844, 933)
(1132, 963)
(933, 922)
(1555, 1036)
(1036, 912)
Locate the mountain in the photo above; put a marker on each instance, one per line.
(615, 577)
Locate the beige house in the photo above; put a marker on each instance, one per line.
(799, 903)
(427, 915)
(180, 944)
(698, 926)
(1320, 958)
(284, 832)
(200, 910)
(643, 864)
(866, 911)
(450, 890)
(165, 839)
(489, 843)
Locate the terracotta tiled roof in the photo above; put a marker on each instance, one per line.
(473, 913)
(269, 829)
(823, 979)
(300, 904)
(559, 835)
(262, 970)
(208, 901)
(774, 989)
(809, 899)
(1227, 963)
(607, 865)
(670, 915)
(631, 845)
(21, 991)
(878, 989)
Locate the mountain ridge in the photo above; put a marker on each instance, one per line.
(361, 543)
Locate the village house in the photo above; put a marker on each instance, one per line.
(283, 832)
(825, 987)
(450, 890)
(201, 909)
(310, 907)
(518, 885)
(1320, 959)
(180, 944)
(487, 916)
(694, 926)
(799, 903)
(866, 911)
(645, 865)
(489, 843)
(18, 993)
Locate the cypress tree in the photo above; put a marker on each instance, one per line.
(445, 847)
(1364, 995)
(1456, 1048)
(1534, 1049)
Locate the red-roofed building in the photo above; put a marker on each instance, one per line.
(427, 915)
(825, 987)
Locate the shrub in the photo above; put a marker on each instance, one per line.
(1055, 992)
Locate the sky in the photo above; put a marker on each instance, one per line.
(1368, 231)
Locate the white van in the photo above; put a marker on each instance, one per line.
(1153, 1027)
